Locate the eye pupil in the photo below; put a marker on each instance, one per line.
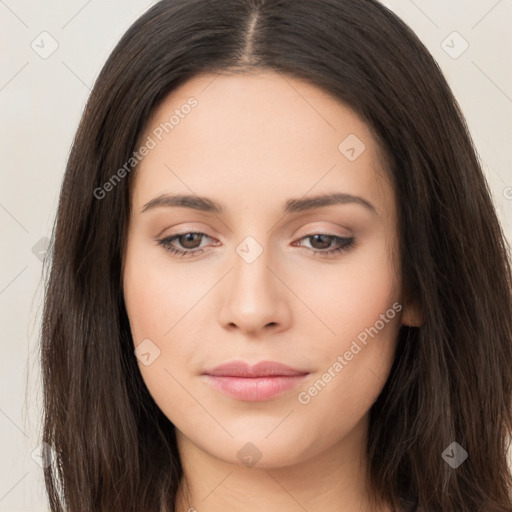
(188, 238)
(320, 237)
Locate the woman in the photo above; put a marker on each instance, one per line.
(278, 281)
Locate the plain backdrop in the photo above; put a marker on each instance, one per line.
(51, 53)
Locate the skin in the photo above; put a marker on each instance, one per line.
(253, 142)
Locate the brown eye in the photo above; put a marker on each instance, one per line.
(190, 243)
(321, 243)
(190, 240)
(324, 241)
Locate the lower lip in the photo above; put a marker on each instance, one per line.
(255, 389)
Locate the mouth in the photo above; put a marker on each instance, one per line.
(259, 382)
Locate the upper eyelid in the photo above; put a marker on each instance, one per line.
(174, 236)
(308, 232)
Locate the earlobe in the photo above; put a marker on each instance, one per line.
(412, 315)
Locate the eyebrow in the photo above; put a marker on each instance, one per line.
(205, 204)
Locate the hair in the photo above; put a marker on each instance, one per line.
(451, 377)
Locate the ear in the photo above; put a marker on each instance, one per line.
(412, 315)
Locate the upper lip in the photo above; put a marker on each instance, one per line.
(261, 369)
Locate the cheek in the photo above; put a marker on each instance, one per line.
(355, 369)
(360, 311)
(350, 296)
(157, 301)
(157, 296)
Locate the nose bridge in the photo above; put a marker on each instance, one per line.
(253, 299)
(251, 273)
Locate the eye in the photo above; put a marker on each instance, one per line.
(191, 243)
(323, 241)
(187, 240)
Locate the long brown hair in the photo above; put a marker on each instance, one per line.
(451, 379)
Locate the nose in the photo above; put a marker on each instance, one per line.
(254, 298)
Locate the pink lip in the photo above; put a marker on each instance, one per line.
(259, 382)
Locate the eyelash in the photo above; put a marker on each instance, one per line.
(345, 244)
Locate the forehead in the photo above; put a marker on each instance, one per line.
(258, 135)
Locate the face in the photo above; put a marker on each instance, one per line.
(262, 273)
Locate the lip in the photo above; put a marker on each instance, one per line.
(261, 369)
(258, 382)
